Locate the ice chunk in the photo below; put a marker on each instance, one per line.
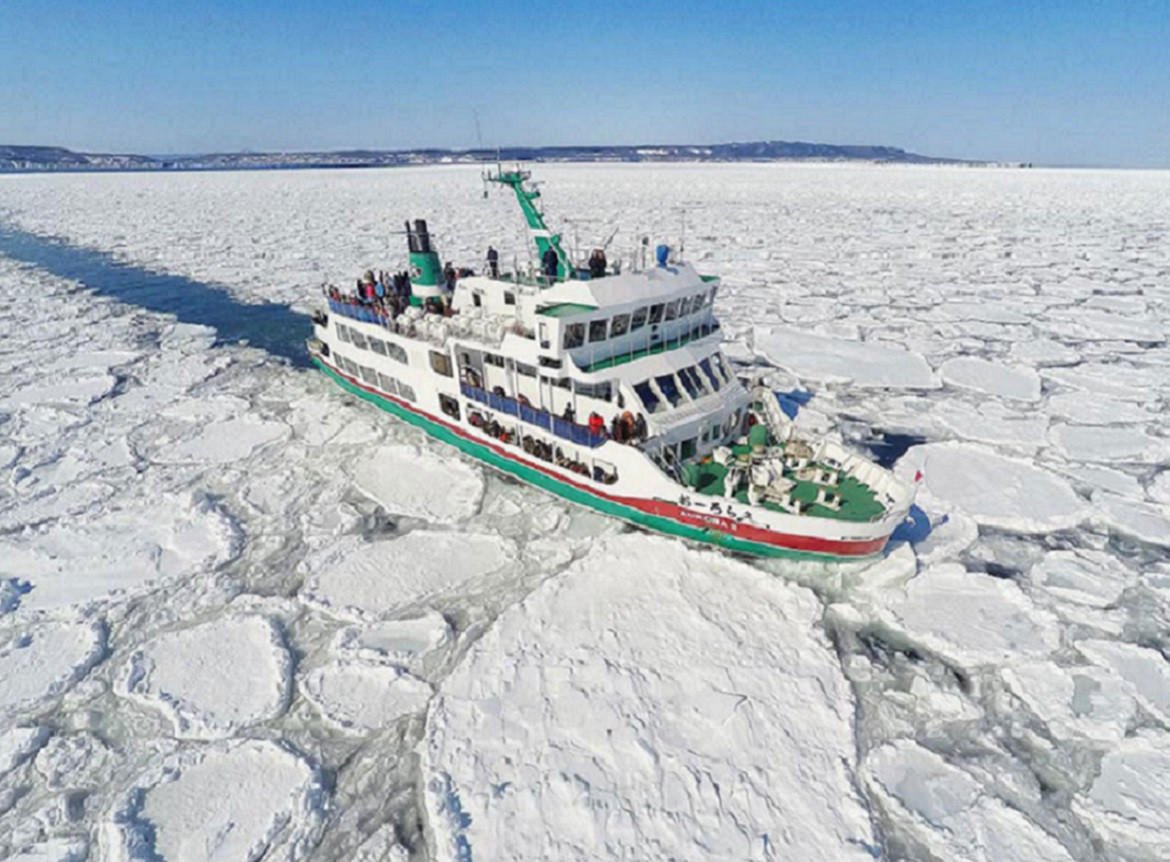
(42, 661)
(968, 618)
(78, 760)
(996, 491)
(220, 442)
(359, 696)
(190, 676)
(949, 813)
(1122, 382)
(1044, 351)
(1105, 478)
(1126, 805)
(370, 579)
(1146, 523)
(1146, 671)
(18, 744)
(409, 481)
(119, 549)
(1078, 409)
(1084, 577)
(991, 422)
(698, 706)
(239, 800)
(398, 641)
(72, 849)
(1108, 444)
(66, 392)
(815, 357)
(1017, 383)
(1075, 703)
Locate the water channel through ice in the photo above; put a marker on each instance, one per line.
(245, 616)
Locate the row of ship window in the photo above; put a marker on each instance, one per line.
(708, 376)
(384, 382)
(623, 324)
(377, 345)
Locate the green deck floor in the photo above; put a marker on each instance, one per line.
(858, 501)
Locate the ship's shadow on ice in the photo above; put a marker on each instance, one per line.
(914, 529)
(276, 329)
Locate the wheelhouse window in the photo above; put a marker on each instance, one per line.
(441, 364)
(509, 298)
(619, 326)
(574, 335)
(646, 394)
(638, 320)
(688, 449)
(597, 330)
(656, 313)
(705, 364)
(493, 359)
(721, 363)
(691, 383)
(526, 370)
(672, 310)
(668, 387)
(696, 302)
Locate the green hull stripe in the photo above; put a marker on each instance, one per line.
(563, 489)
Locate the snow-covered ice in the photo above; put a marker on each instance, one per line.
(188, 675)
(363, 696)
(239, 800)
(604, 716)
(995, 688)
(996, 491)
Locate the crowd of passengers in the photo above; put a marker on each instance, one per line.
(538, 448)
(388, 295)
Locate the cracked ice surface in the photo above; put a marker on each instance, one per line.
(567, 733)
(1013, 651)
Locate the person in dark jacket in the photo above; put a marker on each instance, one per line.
(597, 264)
(640, 428)
(549, 261)
(493, 262)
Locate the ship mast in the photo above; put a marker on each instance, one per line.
(538, 231)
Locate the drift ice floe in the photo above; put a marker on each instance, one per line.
(604, 387)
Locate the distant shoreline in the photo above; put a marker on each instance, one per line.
(36, 159)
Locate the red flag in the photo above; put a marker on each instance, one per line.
(918, 476)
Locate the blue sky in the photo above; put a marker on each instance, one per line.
(1072, 82)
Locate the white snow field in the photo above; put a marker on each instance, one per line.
(244, 616)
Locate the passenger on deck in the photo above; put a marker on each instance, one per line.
(549, 261)
(493, 262)
(640, 428)
(449, 276)
(596, 424)
(597, 263)
(616, 430)
(570, 415)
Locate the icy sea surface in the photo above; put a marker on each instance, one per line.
(244, 616)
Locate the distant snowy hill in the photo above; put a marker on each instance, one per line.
(33, 158)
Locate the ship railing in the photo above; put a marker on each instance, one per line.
(563, 428)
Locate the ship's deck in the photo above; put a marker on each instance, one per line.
(858, 502)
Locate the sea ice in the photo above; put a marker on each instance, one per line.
(371, 579)
(815, 357)
(1076, 409)
(220, 442)
(996, 491)
(364, 697)
(1075, 703)
(40, 661)
(18, 744)
(1107, 444)
(1126, 805)
(398, 641)
(238, 800)
(1084, 577)
(949, 813)
(1147, 523)
(607, 714)
(1145, 671)
(967, 618)
(119, 549)
(417, 482)
(191, 676)
(1016, 383)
